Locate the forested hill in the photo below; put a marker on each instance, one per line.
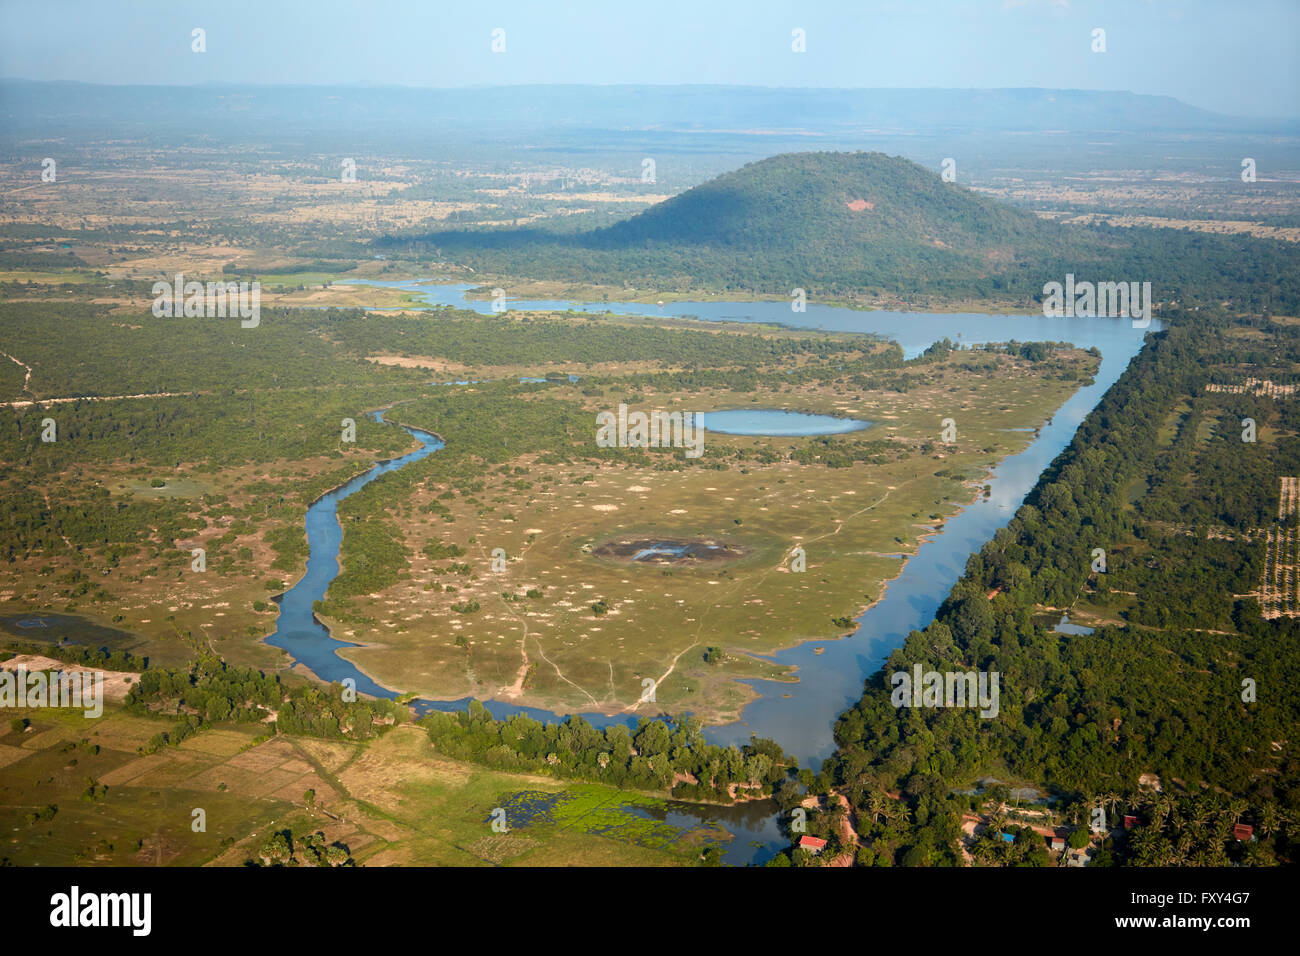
(842, 223)
(836, 204)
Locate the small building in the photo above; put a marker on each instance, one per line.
(1243, 832)
(1077, 858)
(812, 844)
(1056, 843)
(1130, 822)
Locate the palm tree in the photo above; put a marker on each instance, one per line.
(1198, 811)
(1169, 855)
(1079, 810)
(1149, 848)
(1237, 807)
(1216, 806)
(877, 805)
(1268, 820)
(1109, 799)
(1210, 854)
(1161, 806)
(896, 810)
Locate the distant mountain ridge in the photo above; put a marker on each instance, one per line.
(30, 104)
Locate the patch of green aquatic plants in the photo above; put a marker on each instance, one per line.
(618, 815)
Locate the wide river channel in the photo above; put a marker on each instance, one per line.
(829, 682)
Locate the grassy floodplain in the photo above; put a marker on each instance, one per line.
(566, 629)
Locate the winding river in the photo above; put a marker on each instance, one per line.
(828, 682)
(297, 629)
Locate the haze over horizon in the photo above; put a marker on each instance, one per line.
(1206, 54)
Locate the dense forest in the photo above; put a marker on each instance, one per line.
(325, 350)
(473, 339)
(1087, 714)
(211, 691)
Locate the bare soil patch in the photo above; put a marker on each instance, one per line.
(669, 551)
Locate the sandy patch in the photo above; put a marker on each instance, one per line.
(416, 361)
(1150, 780)
(116, 684)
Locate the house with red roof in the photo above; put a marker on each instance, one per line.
(812, 844)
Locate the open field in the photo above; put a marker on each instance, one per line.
(389, 800)
(1277, 593)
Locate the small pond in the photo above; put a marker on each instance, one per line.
(1065, 627)
(776, 422)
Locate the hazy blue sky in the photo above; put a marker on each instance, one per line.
(1233, 56)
